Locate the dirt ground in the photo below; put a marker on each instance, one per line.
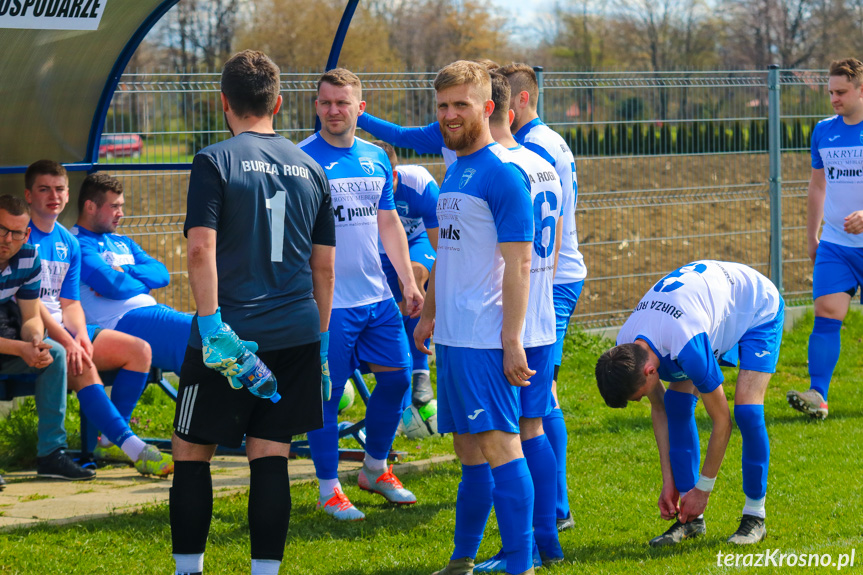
(637, 218)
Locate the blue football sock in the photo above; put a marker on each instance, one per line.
(324, 442)
(543, 471)
(384, 410)
(555, 431)
(126, 391)
(472, 508)
(823, 353)
(684, 448)
(103, 415)
(756, 449)
(420, 360)
(513, 504)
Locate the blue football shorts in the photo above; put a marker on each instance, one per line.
(837, 269)
(565, 299)
(372, 333)
(759, 346)
(536, 398)
(473, 394)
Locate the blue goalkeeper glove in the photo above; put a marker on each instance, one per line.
(326, 383)
(222, 348)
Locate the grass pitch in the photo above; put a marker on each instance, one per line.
(814, 501)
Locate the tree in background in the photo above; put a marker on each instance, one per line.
(297, 35)
(200, 33)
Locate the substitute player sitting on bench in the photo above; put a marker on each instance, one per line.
(117, 276)
(47, 192)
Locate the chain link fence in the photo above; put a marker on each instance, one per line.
(672, 166)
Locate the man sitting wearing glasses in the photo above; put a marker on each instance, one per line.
(22, 347)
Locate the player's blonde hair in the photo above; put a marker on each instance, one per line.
(490, 65)
(342, 77)
(522, 78)
(851, 68)
(463, 72)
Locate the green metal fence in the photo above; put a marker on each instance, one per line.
(672, 166)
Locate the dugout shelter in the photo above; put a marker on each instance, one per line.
(61, 62)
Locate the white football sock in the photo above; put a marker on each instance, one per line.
(265, 567)
(327, 487)
(191, 563)
(755, 507)
(377, 465)
(133, 447)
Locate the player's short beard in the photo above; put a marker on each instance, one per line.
(471, 132)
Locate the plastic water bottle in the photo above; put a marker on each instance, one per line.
(254, 374)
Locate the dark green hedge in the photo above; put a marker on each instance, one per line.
(640, 138)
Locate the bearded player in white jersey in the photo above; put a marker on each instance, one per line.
(476, 305)
(539, 333)
(698, 317)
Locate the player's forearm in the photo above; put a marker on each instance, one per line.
(427, 140)
(717, 408)
(74, 318)
(516, 287)
(322, 264)
(203, 275)
(112, 284)
(31, 320)
(12, 346)
(660, 432)
(815, 205)
(152, 273)
(395, 243)
(54, 329)
(429, 308)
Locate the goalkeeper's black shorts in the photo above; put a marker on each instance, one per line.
(209, 411)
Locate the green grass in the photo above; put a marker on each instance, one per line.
(814, 503)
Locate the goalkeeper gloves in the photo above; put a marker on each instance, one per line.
(222, 348)
(326, 383)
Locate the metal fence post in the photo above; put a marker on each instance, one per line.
(540, 100)
(774, 145)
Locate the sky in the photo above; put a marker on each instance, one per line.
(528, 9)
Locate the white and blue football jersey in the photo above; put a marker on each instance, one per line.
(61, 266)
(551, 147)
(484, 200)
(361, 183)
(837, 148)
(696, 314)
(546, 199)
(107, 294)
(416, 201)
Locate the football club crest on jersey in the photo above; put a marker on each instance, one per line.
(465, 177)
(402, 208)
(861, 137)
(367, 165)
(62, 250)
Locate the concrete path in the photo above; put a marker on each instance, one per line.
(28, 500)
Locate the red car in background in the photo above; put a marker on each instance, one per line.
(120, 145)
